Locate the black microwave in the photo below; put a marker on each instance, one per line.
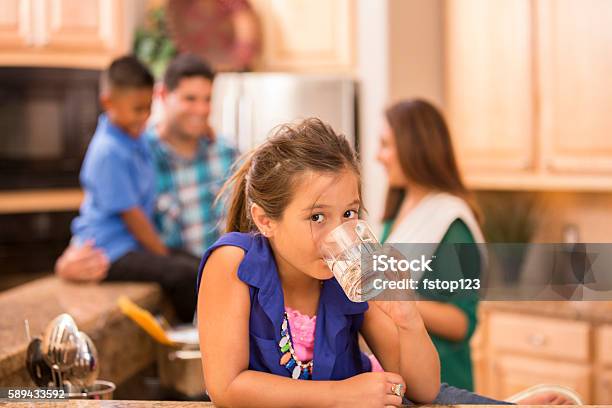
(47, 117)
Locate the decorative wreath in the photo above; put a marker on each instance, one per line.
(224, 32)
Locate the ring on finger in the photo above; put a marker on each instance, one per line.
(397, 389)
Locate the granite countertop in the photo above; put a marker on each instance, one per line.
(175, 404)
(106, 404)
(93, 306)
(589, 311)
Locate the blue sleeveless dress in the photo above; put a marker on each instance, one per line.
(336, 351)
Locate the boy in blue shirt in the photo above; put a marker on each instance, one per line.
(118, 178)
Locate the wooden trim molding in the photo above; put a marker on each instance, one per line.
(15, 202)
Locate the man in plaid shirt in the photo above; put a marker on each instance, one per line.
(191, 165)
(191, 162)
(186, 215)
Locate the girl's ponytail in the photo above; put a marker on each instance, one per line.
(238, 218)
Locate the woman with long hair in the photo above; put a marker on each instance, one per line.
(427, 202)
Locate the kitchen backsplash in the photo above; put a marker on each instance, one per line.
(588, 214)
(591, 213)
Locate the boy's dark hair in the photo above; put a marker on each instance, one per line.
(126, 72)
(185, 66)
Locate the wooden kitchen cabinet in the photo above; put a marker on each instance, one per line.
(489, 84)
(15, 25)
(479, 356)
(604, 345)
(575, 61)
(306, 35)
(83, 25)
(65, 33)
(603, 375)
(535, 350)
(518, 345)
(528, 92)
(603, 387)
(514, 374)
(541, 337)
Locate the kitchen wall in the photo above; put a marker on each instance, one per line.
(416, 50)
(590, 212)
(399, 55)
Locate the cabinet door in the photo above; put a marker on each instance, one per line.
(603, 387)
(479, 357)
(77, 25)
(540, 336)
(603, 338)
(575, 65)
(15, 24)
(512, 374)
(603, 376)
(306, 34)
(489, 84)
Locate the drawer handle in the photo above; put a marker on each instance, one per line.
(536, 340)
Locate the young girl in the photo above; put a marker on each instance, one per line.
(269, 309)
(263, 288)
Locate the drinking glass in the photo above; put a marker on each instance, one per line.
(343, 249)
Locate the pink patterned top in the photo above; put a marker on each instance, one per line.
(302, 329)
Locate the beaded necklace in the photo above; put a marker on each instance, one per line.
(298, 370)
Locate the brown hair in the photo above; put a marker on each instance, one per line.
(186, 66)
(126, 72)
(425, 153)
(269, 174)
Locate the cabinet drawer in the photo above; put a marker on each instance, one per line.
(512, 374)
(604, 344)
(563, 339)
(603, 387)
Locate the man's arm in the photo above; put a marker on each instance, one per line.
(84, 263)
(144, 232)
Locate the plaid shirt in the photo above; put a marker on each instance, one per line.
(186, 189)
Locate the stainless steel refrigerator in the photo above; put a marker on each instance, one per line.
(246, 107)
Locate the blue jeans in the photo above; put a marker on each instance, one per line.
(451, 396)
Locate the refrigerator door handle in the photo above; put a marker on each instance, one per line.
(229, 119)
(245, 123)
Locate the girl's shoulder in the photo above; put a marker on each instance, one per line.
(222, 262)
(229, 250)
(246, 253)
(242, 240)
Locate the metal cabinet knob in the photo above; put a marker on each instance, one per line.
(536, 339)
